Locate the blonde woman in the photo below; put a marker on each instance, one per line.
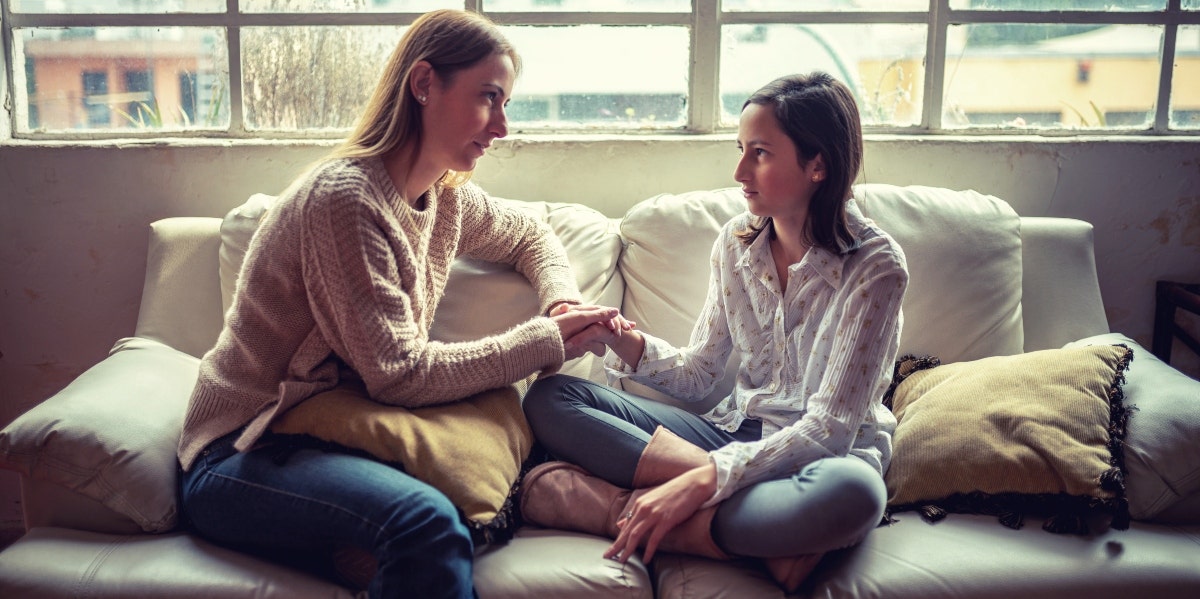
(340, 283)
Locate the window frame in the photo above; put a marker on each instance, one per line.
(704, 23)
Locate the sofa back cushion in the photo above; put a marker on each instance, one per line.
(963, 250)
(482, 298)
(964, 264)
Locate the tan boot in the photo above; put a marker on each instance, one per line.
(564, 496)
(790, 572)
(666, 456)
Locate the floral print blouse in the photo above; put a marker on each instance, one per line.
(814, 361)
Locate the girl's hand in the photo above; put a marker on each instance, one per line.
(652, 515)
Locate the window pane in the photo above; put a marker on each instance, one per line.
(347, 5)
(123, 78)
(311, 77)
(1191, 4)
(883, 64)
(600, 75)
(1030, 76)
(823, 5)
(116, 6)
(589, 5)
(1099, 5)
(1185, 82)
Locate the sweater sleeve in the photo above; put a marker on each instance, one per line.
(365, 301)
(497, 233)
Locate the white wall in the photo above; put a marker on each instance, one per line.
(73, 218)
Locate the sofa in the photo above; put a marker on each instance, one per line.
(97, 460)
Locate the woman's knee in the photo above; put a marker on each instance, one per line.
(428, 517)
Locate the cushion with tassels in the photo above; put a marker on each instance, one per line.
(1038, 433)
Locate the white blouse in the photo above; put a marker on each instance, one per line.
(815, 361)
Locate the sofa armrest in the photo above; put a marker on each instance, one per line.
(1061, 299)
(181, 296)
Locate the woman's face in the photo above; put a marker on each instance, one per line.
(773, 180)
(464, 114)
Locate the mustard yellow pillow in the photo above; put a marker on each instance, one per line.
(1038, 433)
(472, 450)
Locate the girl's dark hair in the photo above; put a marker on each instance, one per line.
(819, 114)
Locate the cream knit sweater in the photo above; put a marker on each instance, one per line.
(342, 279)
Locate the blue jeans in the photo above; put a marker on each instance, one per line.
(829, 504)
(281, 499)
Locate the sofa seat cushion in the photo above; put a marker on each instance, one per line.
(1162, 446)
(967, 556)
(557, 564)
(111, 435)
(481, 298)
(50, 563)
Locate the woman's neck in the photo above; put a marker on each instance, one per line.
(412, 178)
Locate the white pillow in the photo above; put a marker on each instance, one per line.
(482, 298)
(1162, 444)
(111, 435)
(964, 263)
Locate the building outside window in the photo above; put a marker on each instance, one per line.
(303, 68)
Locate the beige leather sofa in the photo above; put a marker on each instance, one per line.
(98, 469)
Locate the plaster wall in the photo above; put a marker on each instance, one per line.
(73, 218)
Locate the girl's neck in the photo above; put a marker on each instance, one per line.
(787, 234)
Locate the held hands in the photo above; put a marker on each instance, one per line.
(588, 328)
(651, 516)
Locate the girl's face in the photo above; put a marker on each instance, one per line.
(463, 115)
(773, 180)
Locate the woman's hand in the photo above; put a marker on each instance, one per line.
(652, 515)
(593, 337)
(573, 320)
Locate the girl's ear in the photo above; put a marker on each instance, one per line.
(816, 168)
(420, 80)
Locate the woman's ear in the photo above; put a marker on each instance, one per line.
(420, 80)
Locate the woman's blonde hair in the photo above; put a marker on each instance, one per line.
(450, 40)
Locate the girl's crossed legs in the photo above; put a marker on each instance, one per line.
(830, 504)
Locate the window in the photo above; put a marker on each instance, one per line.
(303, 68)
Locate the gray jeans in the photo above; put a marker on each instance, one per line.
(829, 504)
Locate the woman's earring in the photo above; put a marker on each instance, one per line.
(422, 99)
(816, 178)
